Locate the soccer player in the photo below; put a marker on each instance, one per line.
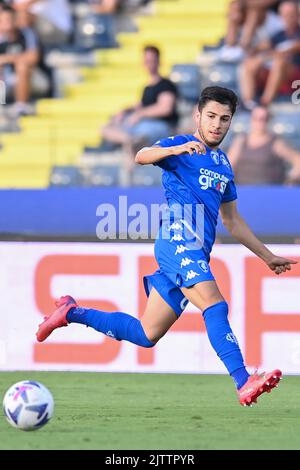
(196, 173)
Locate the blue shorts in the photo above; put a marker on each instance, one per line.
(180, 265)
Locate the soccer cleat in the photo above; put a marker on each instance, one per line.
(258, 384)
(57, 319)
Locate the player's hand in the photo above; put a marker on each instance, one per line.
(133, 118)
(190, 148)
(280, 265)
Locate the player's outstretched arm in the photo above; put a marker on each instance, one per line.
(242, 232)
(149, 155)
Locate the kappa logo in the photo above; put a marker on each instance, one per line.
(110, 333)
(203, 265)
(215, 156)
(191, 275)
(175, 226)
(159, 141)
(231, 337)
(186, 262)
(181, 249)
(177, 238)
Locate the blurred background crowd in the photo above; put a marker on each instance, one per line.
(84, 84)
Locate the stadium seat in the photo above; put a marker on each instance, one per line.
(187, 78)
(285, 123)
(104, 147)
(95, 31)
(294, 141)
(101, 175)
(146, 175)
(224, 74)
(241, 122)
(65, 176)
(110, 80)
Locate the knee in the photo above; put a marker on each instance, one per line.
(220, 308)
(213, 301)
(279, 61)
(151, 337)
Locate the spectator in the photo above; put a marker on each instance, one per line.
(261, 157)
(112, 6)
(151, 119)
(243, 19)
(249, 22)
(105, 7)
(277, 59)
(19, 54)
(52, 19)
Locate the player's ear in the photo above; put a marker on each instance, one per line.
(196, 115)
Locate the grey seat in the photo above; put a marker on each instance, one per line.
(102, 175)
(95, 31)
(188, 81)
(241, 122)
(146, 175)
(65, 176)
(225, 75)
(285, 123)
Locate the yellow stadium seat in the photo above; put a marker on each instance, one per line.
(62, 127)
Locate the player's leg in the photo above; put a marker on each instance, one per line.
(155, 322)
(207, 297)
(158, 317)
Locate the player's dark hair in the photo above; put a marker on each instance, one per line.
(152, 49)
(219, 94)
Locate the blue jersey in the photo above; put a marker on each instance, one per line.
(198, 179)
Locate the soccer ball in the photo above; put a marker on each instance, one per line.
(28, 405)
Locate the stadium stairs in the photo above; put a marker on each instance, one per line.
(62, 127)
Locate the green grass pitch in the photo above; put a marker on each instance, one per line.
(156, 411)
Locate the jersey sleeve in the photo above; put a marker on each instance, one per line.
(230, 193)
(168, 163)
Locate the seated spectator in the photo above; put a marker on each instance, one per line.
(105, 7)
(52, 19)
(249, 22)
(243, 19)
(19, 54)
(108, 18)
(275, 62)
(153, 118)
(261, 157)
